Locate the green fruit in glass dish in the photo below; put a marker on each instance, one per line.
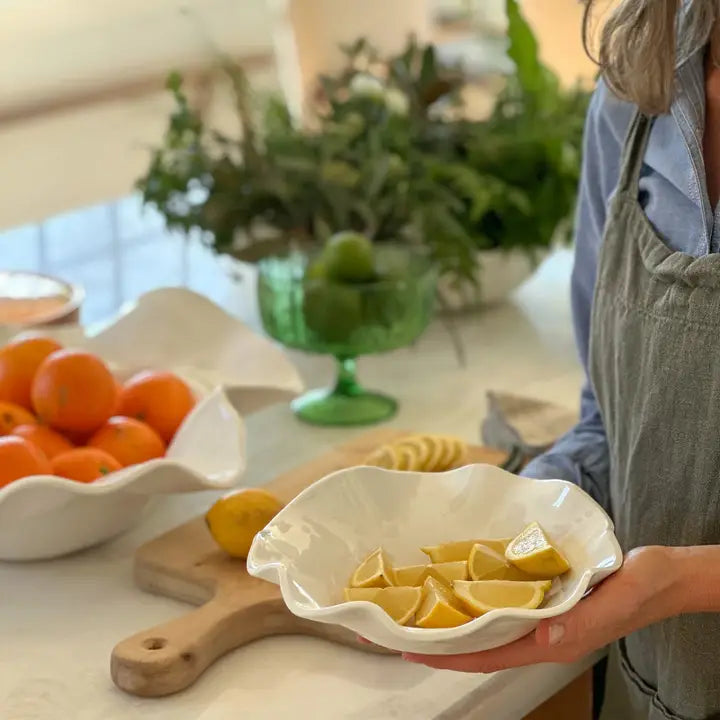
(333, 312)
(349, 257)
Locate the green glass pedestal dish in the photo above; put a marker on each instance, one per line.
(316, 315)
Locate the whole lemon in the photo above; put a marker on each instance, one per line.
(235, 519)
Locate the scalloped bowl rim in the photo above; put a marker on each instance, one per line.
(277, 572)
(110, 484)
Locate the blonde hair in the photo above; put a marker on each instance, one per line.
(642, 42)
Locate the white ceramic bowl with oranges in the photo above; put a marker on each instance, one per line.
(86, 441)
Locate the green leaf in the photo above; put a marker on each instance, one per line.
(523, 50)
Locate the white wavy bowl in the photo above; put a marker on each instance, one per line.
(312, 546)
(231, 370)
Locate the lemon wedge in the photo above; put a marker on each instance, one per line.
(368, 594)
(482, 596)
(411, 575)
(460, 550)
(400, 603)
(374, 571)
(415, 575)
(534, 554)
(486, 564)
(447, 572)
(439, 608)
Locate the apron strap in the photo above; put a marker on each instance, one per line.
(633, 153)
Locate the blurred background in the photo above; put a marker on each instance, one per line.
(83, 100)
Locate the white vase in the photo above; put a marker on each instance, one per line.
(499, 273)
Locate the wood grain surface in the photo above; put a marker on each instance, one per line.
(235, 608)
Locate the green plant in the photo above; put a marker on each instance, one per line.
(389, 153)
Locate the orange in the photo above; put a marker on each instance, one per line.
(84, 464)
(20, 458)
(160, 399)
(74, 391)
(128, 440)
(50, 442)
(12, 415)
(19, 362)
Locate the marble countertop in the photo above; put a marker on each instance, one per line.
(59, 620)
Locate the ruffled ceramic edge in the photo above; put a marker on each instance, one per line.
(277, 573)
(129, 477)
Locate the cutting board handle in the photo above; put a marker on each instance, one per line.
(170, 657)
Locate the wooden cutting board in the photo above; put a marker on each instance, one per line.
(235, 608)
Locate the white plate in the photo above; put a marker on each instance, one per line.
(313, 545)
(232, 371)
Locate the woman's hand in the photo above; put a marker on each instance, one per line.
(644, 591)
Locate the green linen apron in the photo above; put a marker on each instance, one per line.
(655, 368)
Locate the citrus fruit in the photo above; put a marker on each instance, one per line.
(439, 608)
(332, 312)
(447, 572)
(128, 440)
(20, 458)
(367, 594)
(349, 257)
(534, 554)
(421, 447)
(407, 458)
(374, 571)
(160, 399)
(486, 564)
(482, 596)
(385, 457)
(19, 361)
(74, 391)
(410, 575)
(235, 519)
(84, 464)
(50, 442)
(460, 550)
(400, 603)
(12, 415)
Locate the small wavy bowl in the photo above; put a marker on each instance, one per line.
(312, 546)
(232, 372)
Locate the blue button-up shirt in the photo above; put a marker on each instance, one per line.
(674, 196)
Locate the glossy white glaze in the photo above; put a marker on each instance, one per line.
(313, 545)
(231, 369)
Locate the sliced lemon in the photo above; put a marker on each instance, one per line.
(407, 458)
(400, 603)
(439, 608)
(460, 550)
(459, 456)
(421, 449)
(533, 553)
(451, 451)
(516, 574)
(384, 457)
(411, 575)
(479, 597)
(486, 564)
(374, 571)
(368, 594)
(436, 453)
(447, 572)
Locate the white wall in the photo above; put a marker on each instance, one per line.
(50, 49)
(48, 46)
